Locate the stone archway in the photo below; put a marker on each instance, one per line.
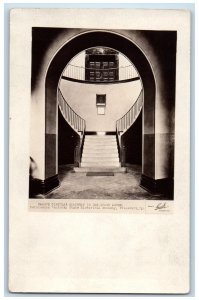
(62, 57)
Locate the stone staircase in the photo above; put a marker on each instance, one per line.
(100, 154)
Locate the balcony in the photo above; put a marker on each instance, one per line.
(100, 74)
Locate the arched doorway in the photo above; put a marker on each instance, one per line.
(64, 55)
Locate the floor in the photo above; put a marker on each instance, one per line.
(120, 186)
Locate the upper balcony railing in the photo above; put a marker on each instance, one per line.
(126, 73)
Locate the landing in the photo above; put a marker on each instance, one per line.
(119, 186)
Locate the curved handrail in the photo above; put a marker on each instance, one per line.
(76, 122)
(78, 72)
(125, 122)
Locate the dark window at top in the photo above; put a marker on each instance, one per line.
(104, 63)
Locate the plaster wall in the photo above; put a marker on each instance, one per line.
(82, 98)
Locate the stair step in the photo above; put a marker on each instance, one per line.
(111, 136)
(98, 164)
(99, 147)
(100, 154)
(86, 145)
(100, 169)
(112, 150)
(100, 159)
(102, 149)
(100, 142)
(100, 138)
(103, 154)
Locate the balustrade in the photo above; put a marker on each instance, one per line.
(76, 122)
(124, 123)
(78, 73)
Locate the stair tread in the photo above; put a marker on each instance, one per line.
(100, 160)
(100, 142)
(100, 157)
(106, 136)
(101, 163)
(100, 147)
(100, 138)
(101, 154)
(97, 165)
(100, 169)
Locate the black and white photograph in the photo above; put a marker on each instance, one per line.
(102, 114)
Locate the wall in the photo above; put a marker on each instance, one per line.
(82, 98)
(160, 50)
(67, 140)
(132, 140)
(45, 43)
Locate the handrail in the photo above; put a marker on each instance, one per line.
(129, 118)
(78, 72)
(124, 123)
(76, 122)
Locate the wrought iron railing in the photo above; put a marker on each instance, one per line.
(78, 72)
(124, 123)
(76, 122)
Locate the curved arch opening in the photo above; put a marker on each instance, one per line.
(82, 97)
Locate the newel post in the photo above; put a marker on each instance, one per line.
(123, 153)
(77, 154)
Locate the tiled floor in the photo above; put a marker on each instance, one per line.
(120, 186)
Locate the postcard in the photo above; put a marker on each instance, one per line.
(99, 151)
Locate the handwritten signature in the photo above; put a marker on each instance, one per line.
(161, 205)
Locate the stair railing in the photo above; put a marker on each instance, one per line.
(77, 123)
(125, 122)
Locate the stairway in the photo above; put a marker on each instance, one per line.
(100, 154)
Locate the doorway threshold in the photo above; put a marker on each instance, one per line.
(99, 174)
